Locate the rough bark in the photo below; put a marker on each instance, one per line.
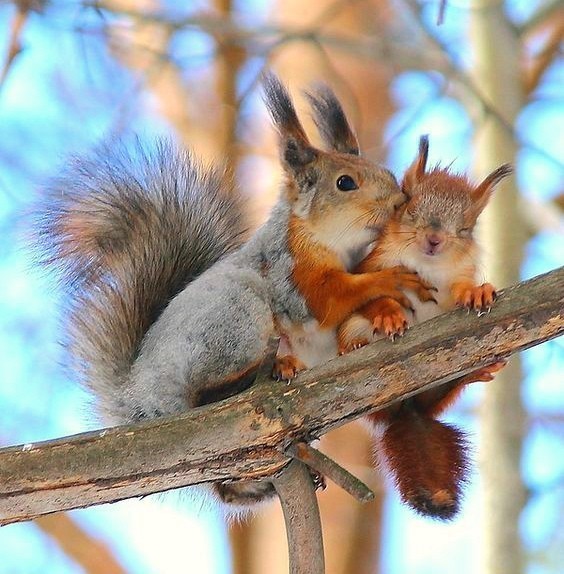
(303, 523)
(244, 437)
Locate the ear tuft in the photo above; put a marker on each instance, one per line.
(495, 177)
(481, 194)
(331, 121)
(423, 152)
(295, 148)
(416, 170)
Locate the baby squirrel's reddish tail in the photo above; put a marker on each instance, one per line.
(129, 227)
(428, 462)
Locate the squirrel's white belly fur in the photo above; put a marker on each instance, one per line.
(308, 342)
(439, 272)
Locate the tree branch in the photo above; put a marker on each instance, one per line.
(296, 491)
(328, 468)
(244, 437)
(548, 10)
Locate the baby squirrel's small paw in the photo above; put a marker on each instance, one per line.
(287, 368)
(480, 297)
(424, 290)
(485, 374)
(389, 318)
(412, 281)
(352, 344)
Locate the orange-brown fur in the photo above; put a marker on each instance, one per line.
(429, 461)
(331, 292)
(287, 367)
(331, 225)
(426, 457)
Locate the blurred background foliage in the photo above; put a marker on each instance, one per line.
(483, 77)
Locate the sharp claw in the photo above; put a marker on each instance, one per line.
(480, 313)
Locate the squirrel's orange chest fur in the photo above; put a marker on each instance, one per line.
(314, 266)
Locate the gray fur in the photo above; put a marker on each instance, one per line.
(129, 229)
(163, 304)
(219, 324)
(169, 309)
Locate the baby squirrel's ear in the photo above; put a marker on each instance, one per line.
(416, 170)
(482, 193)
(295, 149)
(331, 121)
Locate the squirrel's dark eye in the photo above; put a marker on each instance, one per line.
(346, 183)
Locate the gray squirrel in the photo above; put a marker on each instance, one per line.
(171, 307)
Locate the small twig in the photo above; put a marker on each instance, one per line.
(545, 57)
(296, 490)
(548, 10)
(14, 42)
(15, 48)
(441, 13)
(329, 468)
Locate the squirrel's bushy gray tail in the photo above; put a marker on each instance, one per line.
(129, 228)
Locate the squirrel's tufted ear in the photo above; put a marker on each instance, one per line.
(416, 170)
(482, 193)
(331, 121)
(295, 148)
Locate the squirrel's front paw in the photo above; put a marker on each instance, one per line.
(388, 317)
(477, 297)
(485, 374)
(411, 281)
(352, 344)
(354, 333)
(287, 368)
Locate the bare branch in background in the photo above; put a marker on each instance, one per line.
(90, 554)
(545, 12)
(546, 56)
(454, 71)
(542, 216)
(441, 12)
(15, 47)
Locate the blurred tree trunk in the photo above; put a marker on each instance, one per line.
(352, 532)
(144, 48)
(231, 58)
(497, 75)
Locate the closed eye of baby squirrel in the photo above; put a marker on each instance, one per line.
(432, 234)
